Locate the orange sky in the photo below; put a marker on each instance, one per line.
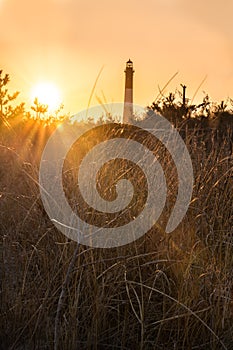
(68, 41)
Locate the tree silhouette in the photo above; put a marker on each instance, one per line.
(42, 115)
(39, 109)
(7, 110)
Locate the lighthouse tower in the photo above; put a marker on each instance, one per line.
(128, 103)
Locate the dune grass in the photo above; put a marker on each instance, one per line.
(164, 291)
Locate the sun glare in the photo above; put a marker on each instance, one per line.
(47, 94)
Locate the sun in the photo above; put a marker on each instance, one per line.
(47, 94)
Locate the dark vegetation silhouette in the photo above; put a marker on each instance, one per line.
(161, 292)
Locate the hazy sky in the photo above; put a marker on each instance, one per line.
(68, 41)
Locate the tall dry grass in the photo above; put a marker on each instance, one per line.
(164, 291)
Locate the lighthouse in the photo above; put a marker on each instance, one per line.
(128, 102)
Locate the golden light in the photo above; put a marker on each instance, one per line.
(47, 94)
